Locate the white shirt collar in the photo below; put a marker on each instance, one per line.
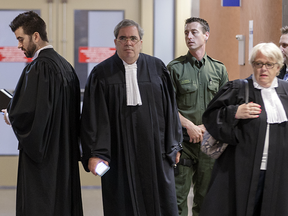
(38, 51)
(132, 88)
(273, 105)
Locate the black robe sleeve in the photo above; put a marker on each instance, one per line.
(30, 111)
(173, 125)
(95, 121)
(219, 117)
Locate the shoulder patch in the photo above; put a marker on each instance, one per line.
(177, 60)
(214, 60)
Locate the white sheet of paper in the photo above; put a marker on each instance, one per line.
(101, 168)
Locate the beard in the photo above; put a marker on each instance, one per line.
(31, 49)
(285, 60)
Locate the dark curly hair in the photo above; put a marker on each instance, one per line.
(31, 22)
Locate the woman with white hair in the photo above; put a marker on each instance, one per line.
(250, 178)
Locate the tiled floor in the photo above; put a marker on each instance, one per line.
(91, 198)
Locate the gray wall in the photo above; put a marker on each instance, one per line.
(284, 12)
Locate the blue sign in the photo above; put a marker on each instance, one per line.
(231, 3)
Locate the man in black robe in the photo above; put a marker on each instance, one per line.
(44, 114)
(130, 121)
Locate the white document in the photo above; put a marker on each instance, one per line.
(101, 168)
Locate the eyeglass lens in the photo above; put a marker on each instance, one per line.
(267, 65)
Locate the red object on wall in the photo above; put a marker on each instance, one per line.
(13, 54)
(95, 54)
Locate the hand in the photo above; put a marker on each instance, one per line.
(202, 127)
(4, 111)
(247, 111)
(92, 163)
(177, 157)
(195, 133)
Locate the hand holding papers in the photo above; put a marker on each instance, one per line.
(5, 98)
(101, 168)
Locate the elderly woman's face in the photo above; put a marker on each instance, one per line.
(264, 75)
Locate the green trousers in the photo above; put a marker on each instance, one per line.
(198, 173)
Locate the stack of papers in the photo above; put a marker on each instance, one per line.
(5, 98)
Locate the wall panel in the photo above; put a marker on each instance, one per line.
(267, 21)
(224, 26)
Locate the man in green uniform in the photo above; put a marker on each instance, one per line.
(196, 78)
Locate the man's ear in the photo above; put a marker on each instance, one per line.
(207, 35)
(36, 37)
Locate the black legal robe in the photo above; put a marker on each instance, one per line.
(44, 113)
(236, 173)
(139, 142)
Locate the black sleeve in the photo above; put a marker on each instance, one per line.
(219, 117)
(95, 124)
(31, 109)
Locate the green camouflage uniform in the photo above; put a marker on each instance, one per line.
(195, 84)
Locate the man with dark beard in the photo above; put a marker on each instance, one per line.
(283, 44)
(44, 114)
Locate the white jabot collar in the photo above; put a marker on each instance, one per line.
(38, 51)
(132, 88)
(273, 106)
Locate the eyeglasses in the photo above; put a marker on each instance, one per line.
(133, 39)
(260, 65)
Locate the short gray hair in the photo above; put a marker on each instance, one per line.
(126, 23)
(270, 50)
